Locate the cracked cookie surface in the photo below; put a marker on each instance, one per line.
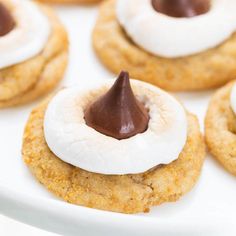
(209, 69)
(28, 80)
(220, 128)
(123, 193)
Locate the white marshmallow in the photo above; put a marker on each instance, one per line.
(70, 139)
(172, 37)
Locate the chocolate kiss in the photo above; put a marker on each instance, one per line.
(118, 113)
(7, 23)
(182, 8)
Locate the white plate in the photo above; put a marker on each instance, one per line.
(209, 209)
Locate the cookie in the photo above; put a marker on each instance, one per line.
(115, 49)
(220, 129)
(28, 80)
(118, 193)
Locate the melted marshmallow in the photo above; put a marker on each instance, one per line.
(171, 37)
(29, 36)
(70, 139)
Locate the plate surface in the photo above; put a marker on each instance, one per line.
(209, 209)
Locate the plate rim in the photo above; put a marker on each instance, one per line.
(22, 207)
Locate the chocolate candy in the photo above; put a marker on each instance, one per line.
(118, 113)
(182, 8)
(7, 22)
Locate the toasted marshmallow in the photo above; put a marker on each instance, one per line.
(71, 140)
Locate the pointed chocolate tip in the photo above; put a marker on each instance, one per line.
(123, 79)
(124, 75)
(7, 22)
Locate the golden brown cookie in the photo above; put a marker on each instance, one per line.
(205, 70)
(220, 129)
(28, 80)
(123, 193)
(70, 1)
